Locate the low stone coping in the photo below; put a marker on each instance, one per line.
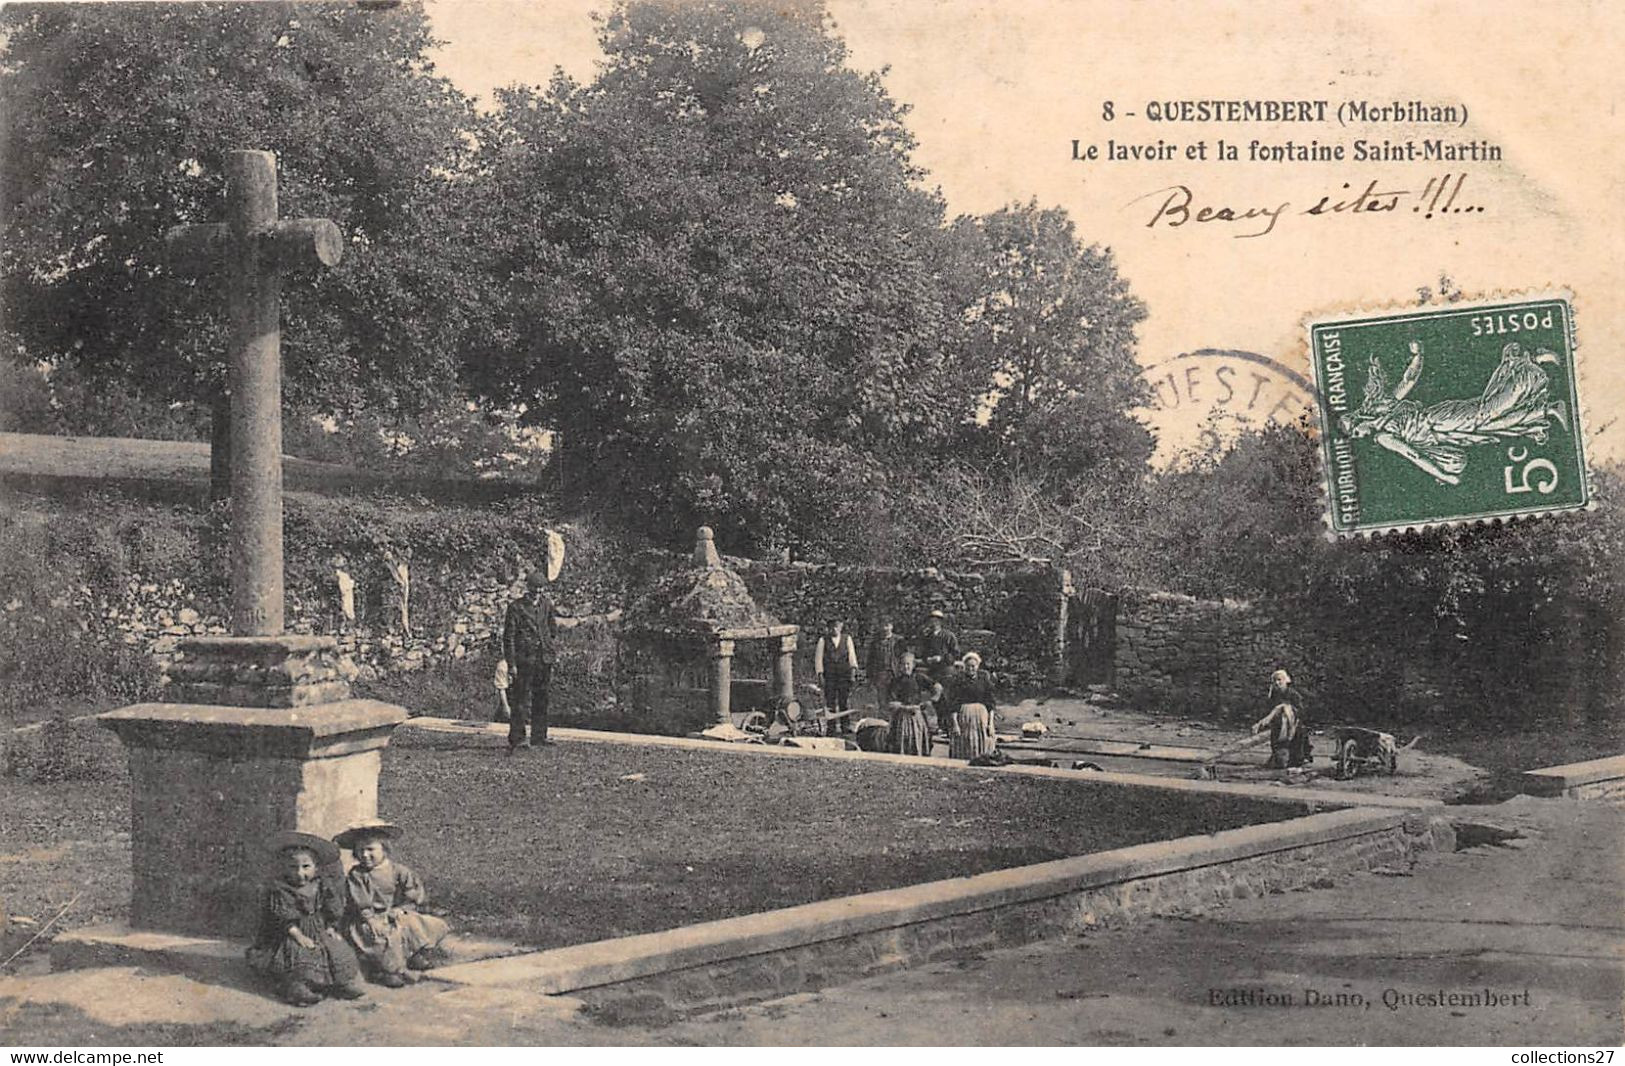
(1556, 780)
(1312, 798)
(605, 962)
(270, 731)
(212, 959)
(1124, 749)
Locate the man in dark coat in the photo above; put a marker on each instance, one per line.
(939, 651)
(528, 647)
(880, 664)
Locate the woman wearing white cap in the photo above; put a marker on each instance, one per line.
(1289, 732)
(973, 703)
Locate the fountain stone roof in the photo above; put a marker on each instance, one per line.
(704, 599)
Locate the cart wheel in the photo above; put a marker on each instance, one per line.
(1347, 759)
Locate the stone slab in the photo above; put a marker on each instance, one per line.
(214, 959)
(1126, 749)
(272, 671)
(227, 728)
(757, 632)
(816, 743)
(1558, 780)
(258, 693)
(1310, 798)
(206, 958)
(630, 958)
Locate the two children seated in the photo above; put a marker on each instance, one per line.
(316, 938)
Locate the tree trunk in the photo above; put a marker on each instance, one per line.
(220, 445)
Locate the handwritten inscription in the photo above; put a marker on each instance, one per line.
(1176, 206)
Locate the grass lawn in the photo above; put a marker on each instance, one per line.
(560, 847)
(63, 842)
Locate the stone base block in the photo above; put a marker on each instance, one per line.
(212, 959)
(285, 671)
(1596, 778)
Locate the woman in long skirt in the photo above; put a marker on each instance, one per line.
(909, 691)
(972, 732)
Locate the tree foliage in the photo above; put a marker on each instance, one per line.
(724, 284)
(1515, 609)
(1009, 515)
(117, 120)
(714, 271)
(1049, 340)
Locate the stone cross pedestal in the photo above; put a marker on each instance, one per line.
(210, 784)
(260, 734)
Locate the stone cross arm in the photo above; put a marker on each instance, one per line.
(253, 240)
(287, 246)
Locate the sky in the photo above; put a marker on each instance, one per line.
(1000, 91)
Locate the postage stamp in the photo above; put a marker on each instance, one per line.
(1454, 414)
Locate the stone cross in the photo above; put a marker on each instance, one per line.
(253, 248)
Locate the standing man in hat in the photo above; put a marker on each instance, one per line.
(529, 650)
(939, 651)
(835, 661)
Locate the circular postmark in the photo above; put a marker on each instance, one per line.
(1192, 391)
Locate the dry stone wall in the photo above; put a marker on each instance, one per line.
(147, 579)
(455, 610)
(157, 616)
(1175, 653)
(1013, 617)
(1182, 654)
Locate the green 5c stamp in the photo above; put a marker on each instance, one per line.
(1448, 415)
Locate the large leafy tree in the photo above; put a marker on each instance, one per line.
(720, 279)
(1049, 341)
(117, 118)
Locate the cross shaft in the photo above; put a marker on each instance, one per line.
(254, 248)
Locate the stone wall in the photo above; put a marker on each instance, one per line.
(1171, 653)
(1179, 654)
(455, 608)
(1013, 617)
(157, 616)
(125, 578)
(1182, 654)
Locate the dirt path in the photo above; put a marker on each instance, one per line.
(1422, 774)
(1543, 914)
